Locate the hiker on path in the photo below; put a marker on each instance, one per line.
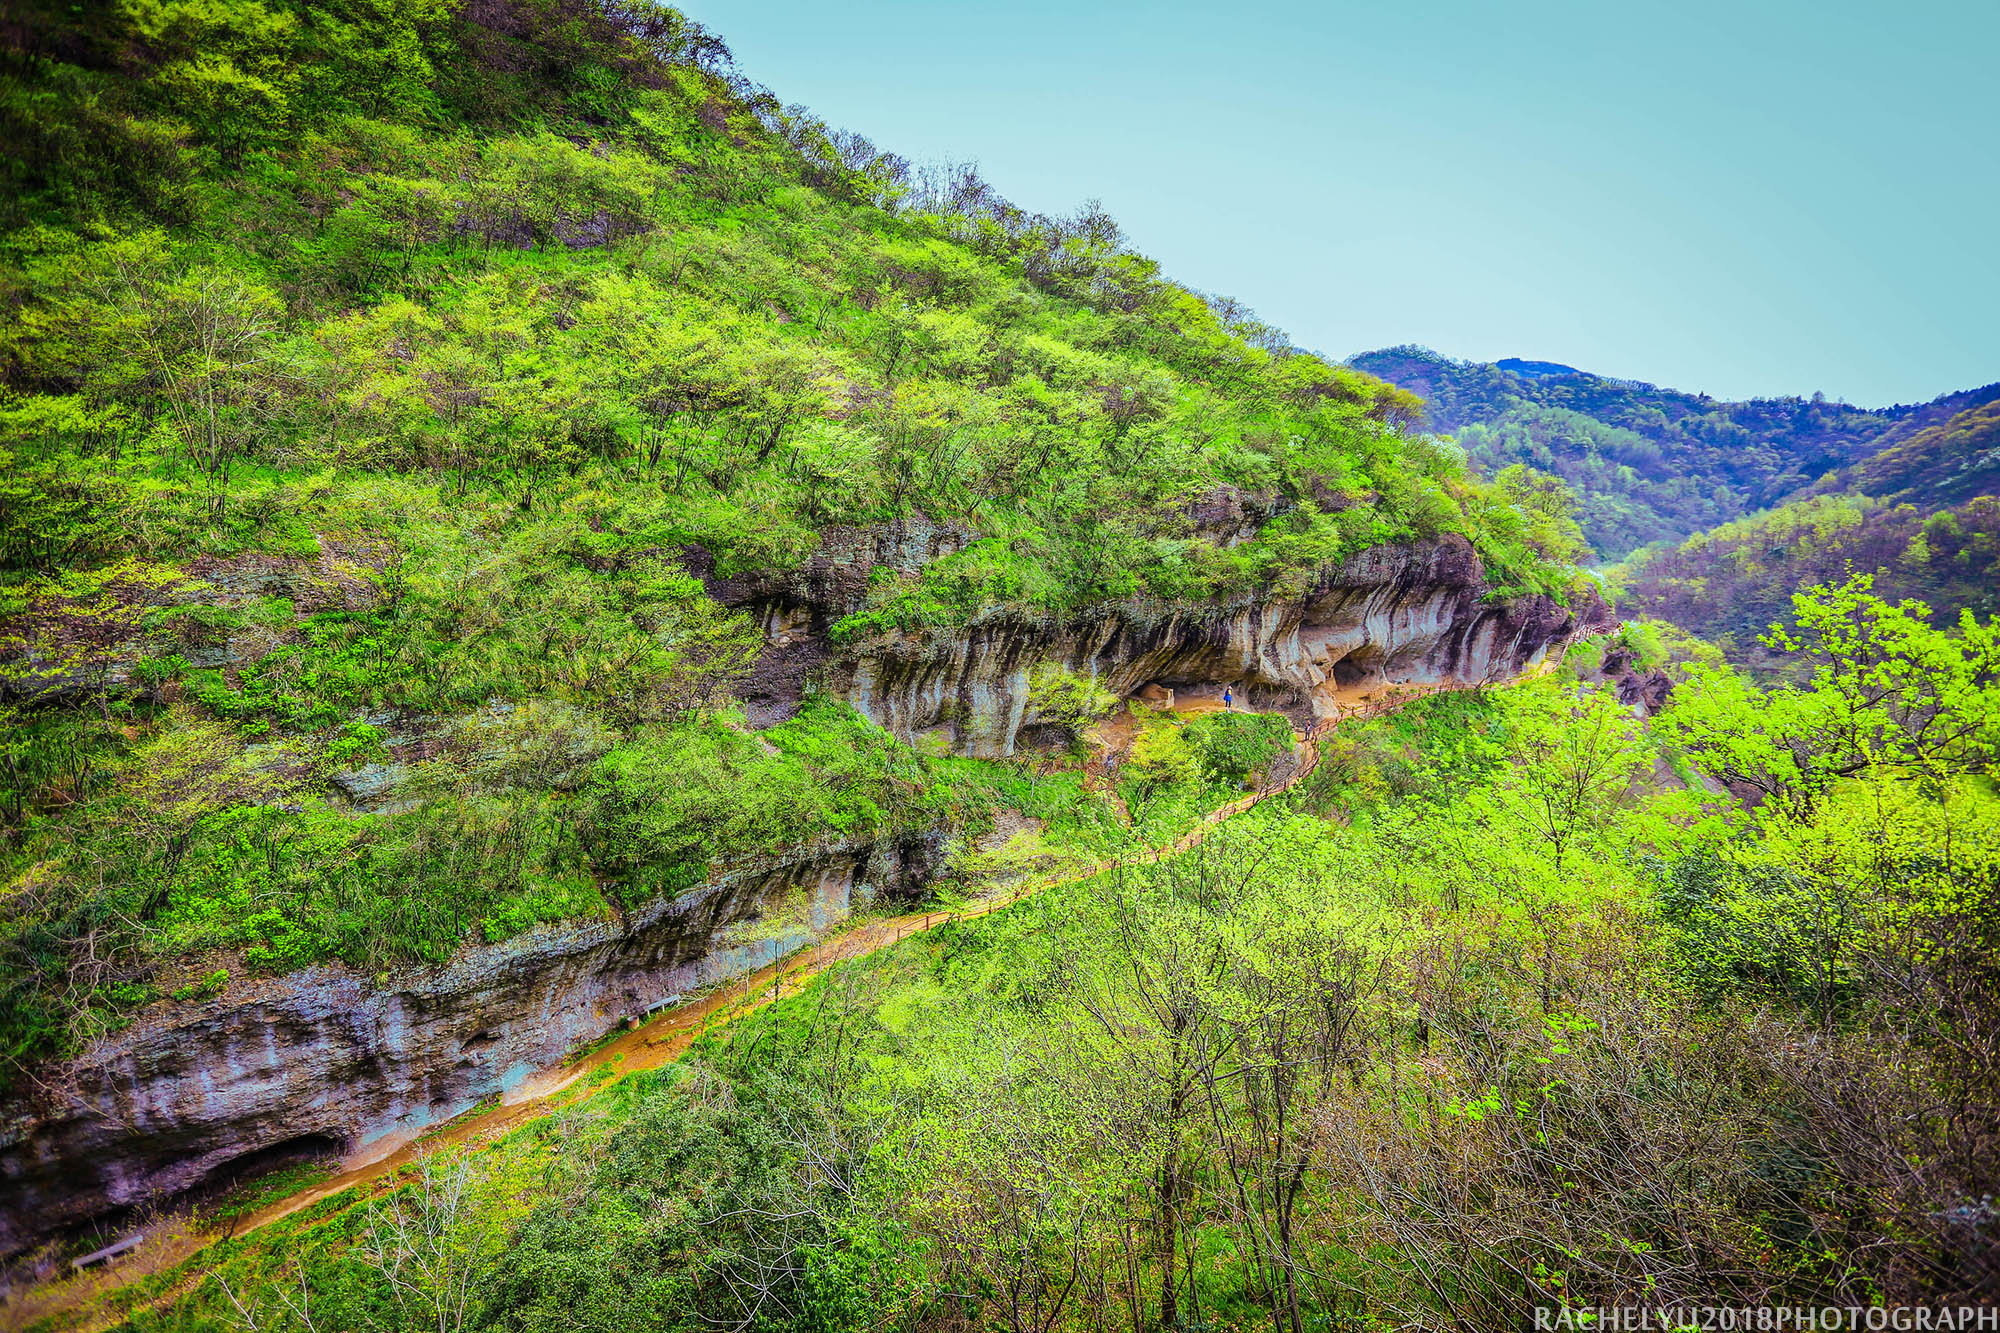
(1228, 699)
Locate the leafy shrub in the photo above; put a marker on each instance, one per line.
(1233, 746)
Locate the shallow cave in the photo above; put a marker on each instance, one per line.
(116, 1222)
(903, 869)
(1259, 697)
(262, 1161)
(1359, 667)
(1043, 736)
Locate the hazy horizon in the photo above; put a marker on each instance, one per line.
(1733, 202)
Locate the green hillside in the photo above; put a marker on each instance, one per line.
(1484, 1019)
(370, 371)
(1930, 465)
(1730, 584)
(1920, 514)
(393, 396)
(1651, 465)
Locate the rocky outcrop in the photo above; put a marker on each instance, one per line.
(799, 608)
(328, 1060)
(325, 1061)
(1640, 688)
(1418, 613)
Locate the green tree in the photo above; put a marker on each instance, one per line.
(1549, 508)
(1160, 1025)
(1067, 700)
(1161, 755)
(1574, 757)
(1296, 994)
(1887, 689)
(1234, 746)
(200, 341)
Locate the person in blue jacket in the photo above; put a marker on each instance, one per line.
(1228, 699)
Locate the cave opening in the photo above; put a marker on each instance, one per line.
(1357, 668)
(229, 1177)
(258, 1162)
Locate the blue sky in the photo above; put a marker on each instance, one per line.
(1745, 198)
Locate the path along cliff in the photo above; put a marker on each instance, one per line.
(90, 1297)
(328, 1060)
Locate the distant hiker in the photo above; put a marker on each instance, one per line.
(1228, 699)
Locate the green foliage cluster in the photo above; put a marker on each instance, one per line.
(1426, 749)
(681, 298)
(1728, 584)
(666, 805)
(1888, 692)
(1223, 749)
(1067, 701)
(1232, 747)
(373, 376)
(1652, 465)
(1547, 1029)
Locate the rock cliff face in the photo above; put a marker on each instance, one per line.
(1642, 689)
(1412, 614)
(323, 1061)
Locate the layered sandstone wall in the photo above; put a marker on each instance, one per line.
(325, 1060)
(1418, 613)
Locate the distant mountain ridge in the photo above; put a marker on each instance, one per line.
(1921, 515)
(1654, 465)
(1535, 369)
(1930, 462)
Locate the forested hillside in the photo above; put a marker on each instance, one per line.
(1920, 514)
(510, 533)
(370, 376)
(1491, 1015)
(1651, 465)
(1929, 465)
(1730, 584)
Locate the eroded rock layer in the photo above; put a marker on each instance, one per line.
(324, 1061)
(1395, 615)
(328, 1060)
